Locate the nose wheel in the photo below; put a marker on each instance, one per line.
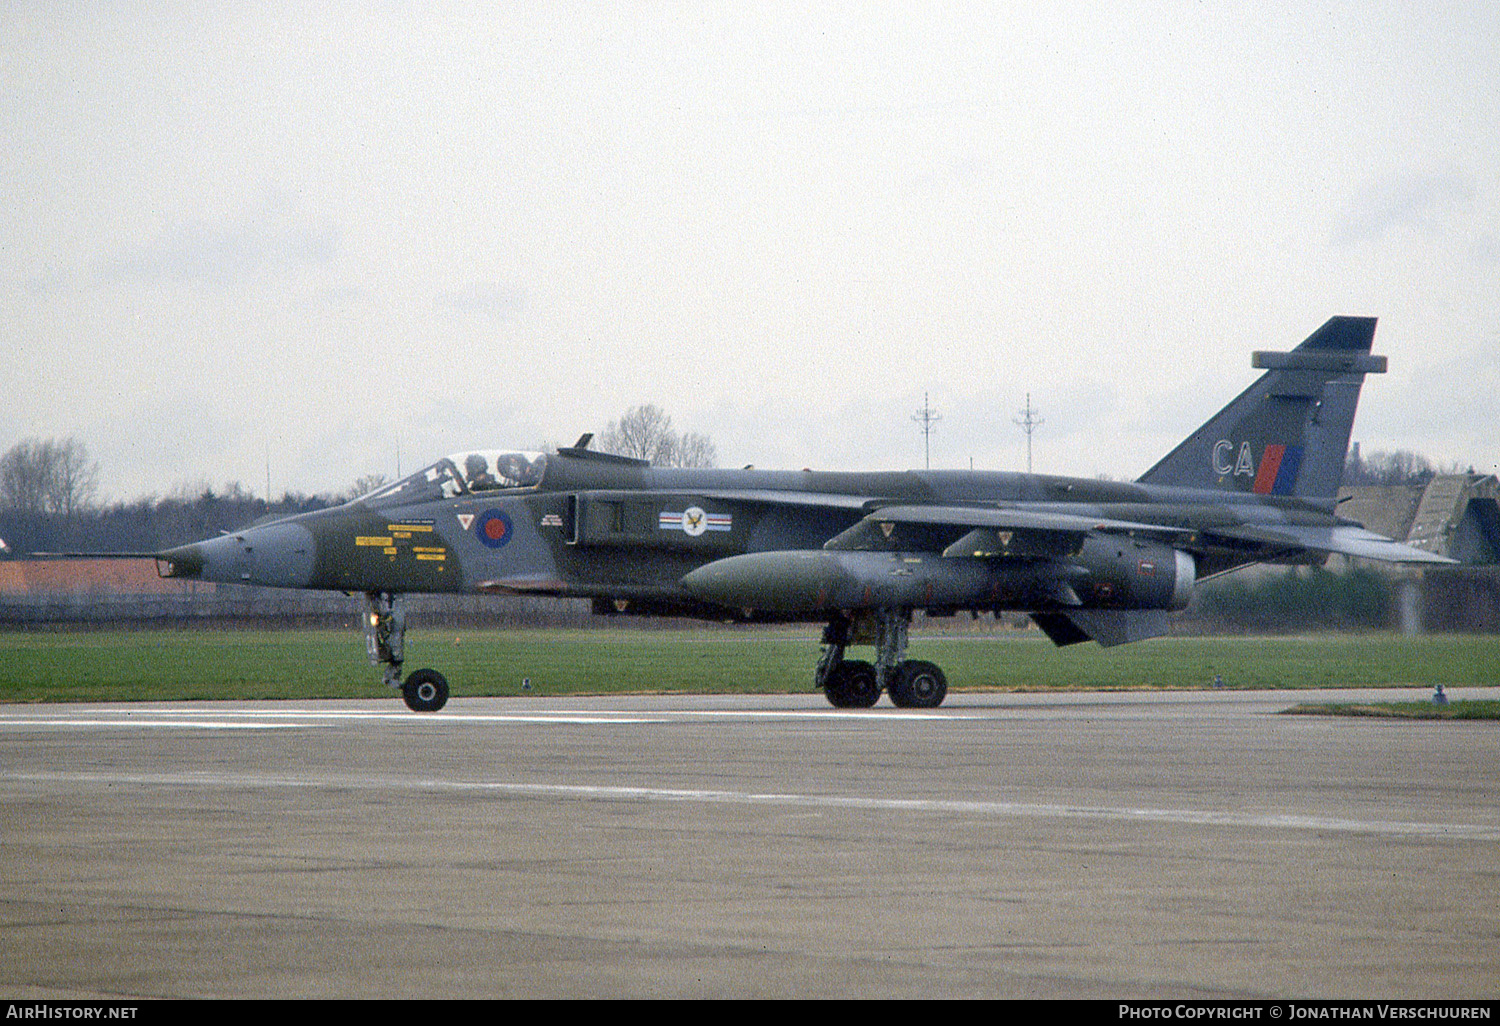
(425, 691)
(385, 638)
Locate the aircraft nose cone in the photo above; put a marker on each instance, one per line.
(183, 561)
(277, 555)
(224, 559)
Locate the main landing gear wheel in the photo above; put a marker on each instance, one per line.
(425, 691)
(852, 685)
(918, 685)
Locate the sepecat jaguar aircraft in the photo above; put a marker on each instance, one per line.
(858, 552)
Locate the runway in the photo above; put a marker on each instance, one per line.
(1168, 845)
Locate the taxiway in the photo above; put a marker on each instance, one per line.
(1068, 845)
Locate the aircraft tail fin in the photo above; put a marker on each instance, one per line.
(1288, 433)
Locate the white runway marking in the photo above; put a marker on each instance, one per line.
(197, 724)
(589, 792)
(237, 719)
(227, 719)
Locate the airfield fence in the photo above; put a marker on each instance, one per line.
(278, 609)
(1463, 599)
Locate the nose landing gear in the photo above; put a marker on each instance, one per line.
(385, 640)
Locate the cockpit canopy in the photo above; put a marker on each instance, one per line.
(464, 473)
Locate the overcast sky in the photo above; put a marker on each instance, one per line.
(314, 235)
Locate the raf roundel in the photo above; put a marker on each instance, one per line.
(493, 528)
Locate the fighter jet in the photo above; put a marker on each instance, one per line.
(858, 553)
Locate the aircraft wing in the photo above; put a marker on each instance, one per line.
(1343, 539)
(985, 531)
(773, 497)
(1013, 519)
(1030, 533)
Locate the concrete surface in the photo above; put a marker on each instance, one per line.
(1081, 845)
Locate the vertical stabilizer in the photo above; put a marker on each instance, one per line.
(1288, 433)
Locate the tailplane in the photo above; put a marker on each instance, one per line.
(1288, 433)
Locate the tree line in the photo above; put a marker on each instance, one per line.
(1394, 468)
(49, 493)
(49, 502)
(148, 524)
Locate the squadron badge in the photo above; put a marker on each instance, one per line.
(693, 521)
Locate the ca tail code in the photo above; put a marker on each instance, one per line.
(1277, 473)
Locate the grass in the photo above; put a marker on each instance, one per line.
(1456, 709)
(250, 664)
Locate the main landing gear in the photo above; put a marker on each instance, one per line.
(856, 684)
(385, 639)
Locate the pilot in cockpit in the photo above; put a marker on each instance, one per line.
(518, 471)
(477, 471)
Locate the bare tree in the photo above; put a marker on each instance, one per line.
(74, 483)
(363, 486)
(695, 450)
(645, 432)
(48, 476)
(23, 479)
